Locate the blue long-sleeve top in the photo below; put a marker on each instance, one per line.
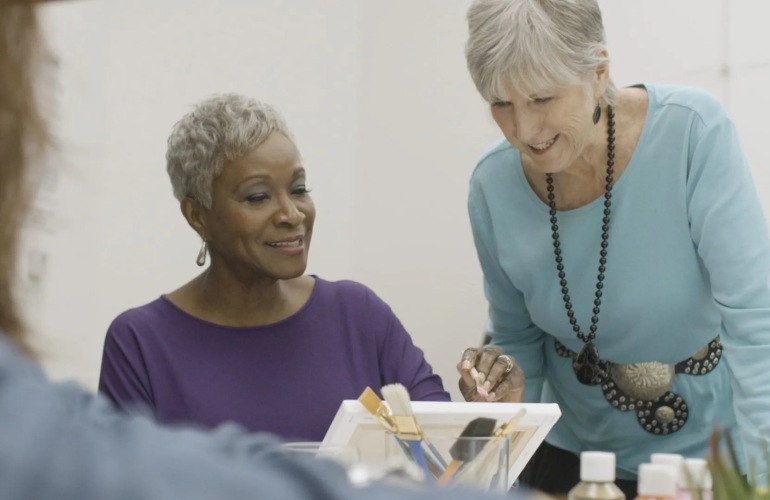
(688, 260)
(58, 442)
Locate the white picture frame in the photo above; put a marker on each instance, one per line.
(354, 426)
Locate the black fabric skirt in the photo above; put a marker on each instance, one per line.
(556, 471)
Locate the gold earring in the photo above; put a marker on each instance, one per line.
(201, 260)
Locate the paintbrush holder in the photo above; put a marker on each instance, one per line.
(449, 460)
(346, 456)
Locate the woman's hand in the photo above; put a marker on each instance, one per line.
(486, 374)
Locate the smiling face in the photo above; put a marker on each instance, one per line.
(551, 128)
(261, 216)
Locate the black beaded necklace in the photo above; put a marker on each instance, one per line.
(588, 366)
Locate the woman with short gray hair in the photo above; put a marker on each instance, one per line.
(253, 339)
(622, 244)
(222, 128)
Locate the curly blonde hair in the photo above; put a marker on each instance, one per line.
(23, 138)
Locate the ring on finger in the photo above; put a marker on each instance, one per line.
(508, 362)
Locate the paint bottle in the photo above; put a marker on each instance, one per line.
(597, 478)
(676, 462)
(692, 475)
(656, 482)
(698, 478)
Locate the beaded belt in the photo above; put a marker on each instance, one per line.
(645, 388)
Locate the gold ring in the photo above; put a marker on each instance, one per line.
(509, 364)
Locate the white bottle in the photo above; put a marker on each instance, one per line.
(656, 482)
(676, 462)
(698, 476)
(597, 478)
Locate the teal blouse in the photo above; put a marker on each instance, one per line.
(688, 260)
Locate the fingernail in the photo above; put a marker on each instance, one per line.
(482, 392)
(466, 364)
(492, 396)
(487, 385)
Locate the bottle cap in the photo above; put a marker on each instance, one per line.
(696, 469)
(597, 466)
(656, 480)
(675, 461)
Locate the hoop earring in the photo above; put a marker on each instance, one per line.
(597, 113)
(201, 260)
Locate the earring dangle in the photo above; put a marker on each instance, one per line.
(597, 114)
(201, 260)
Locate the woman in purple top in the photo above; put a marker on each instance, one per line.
(252, 339)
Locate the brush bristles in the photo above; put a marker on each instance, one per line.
(374, 405)
(466, 449)
(398, 399)
(370, 400)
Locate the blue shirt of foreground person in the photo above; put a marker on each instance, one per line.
(60, 442)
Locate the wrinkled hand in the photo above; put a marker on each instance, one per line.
(497, 376)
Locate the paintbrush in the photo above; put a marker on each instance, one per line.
(465, 448)
(507, 428)
(479, 379)
(372, 402)
(488, 454)
(407, 427)
(376, 407)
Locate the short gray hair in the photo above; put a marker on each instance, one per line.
(534, 44)
(219, 129)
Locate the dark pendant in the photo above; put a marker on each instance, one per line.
(588, 366)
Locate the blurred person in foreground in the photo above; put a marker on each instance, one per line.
(58, 441)
(624, 248)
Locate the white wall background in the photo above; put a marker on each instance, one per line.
(386, 118)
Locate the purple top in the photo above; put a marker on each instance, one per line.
(288, 377)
